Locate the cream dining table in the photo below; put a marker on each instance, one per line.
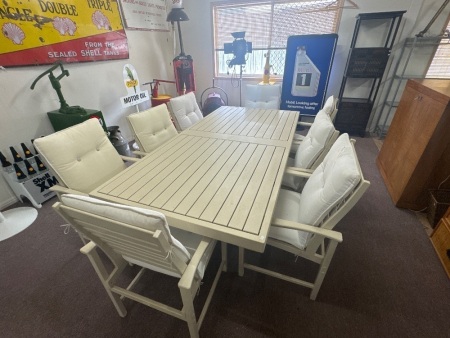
(220, 178)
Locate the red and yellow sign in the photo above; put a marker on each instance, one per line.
(37, 32)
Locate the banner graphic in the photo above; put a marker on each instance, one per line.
(38, 32)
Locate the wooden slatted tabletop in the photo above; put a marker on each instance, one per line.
(219, 178)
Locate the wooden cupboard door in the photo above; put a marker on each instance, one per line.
(406, 159)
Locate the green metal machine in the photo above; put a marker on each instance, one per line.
(66, 115)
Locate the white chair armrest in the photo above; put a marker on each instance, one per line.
(129, 158)
(298, 172)
(59, 189)
(304, 124)
(88, 248)
(331, 234)
(140, 153)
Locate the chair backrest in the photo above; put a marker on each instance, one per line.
(333, 189)
(152, 127)
(262, 96)
(184, 111)
(140, 236)
(330, 106)
(317, 142)
(81, 157)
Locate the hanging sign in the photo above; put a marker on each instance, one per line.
(306, 72)
(145, 14)
(37, 32)
(131, 81)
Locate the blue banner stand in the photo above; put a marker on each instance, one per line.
(306, 72)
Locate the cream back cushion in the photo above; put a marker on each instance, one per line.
(312, 146)
(328, 107)
(152, 127)
(315, 140)
(262, 96)
(81, 156)
(330, 183)
(185, 111)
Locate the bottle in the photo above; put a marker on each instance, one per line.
(40, 165)
(30, 169)
(266, 76)
(26, 151)
(19, 173)
(306, 75)
(5, 162)
(15, 154)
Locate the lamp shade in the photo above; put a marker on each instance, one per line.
(177, 14)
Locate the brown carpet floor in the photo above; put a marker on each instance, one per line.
(385, 281)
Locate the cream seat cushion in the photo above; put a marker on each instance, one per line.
(331, 182)
(185, 111)
(152, 127)
(145, 219)
(82, 157)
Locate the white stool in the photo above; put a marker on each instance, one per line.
(16, 220)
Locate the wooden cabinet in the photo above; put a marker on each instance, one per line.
(415, 155)
(441, 241)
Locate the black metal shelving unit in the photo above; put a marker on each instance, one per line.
(365, 63)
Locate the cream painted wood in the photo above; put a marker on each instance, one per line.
(321, 246)
(141, 246)
(219, 178)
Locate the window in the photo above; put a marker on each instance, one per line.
(267, 25)
(440, 65)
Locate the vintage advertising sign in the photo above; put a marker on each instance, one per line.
(37, 32)
(306, 72)
(132, 84)
(145, 14)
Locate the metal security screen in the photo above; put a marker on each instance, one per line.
(268, 24)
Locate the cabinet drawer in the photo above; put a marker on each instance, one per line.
(441, 242)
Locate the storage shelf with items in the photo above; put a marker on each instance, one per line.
(27, 176)
(408, 65)
(366, 63)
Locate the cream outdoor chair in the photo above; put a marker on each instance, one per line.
(185, 111)
(81, 157)
(302, 223)
(330, 108)
(141, 237)
(152, 127)
(311, 150)
(262, 96)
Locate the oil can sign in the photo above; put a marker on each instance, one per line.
(306, 73)
(131, 81)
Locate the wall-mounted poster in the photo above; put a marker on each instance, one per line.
(306, 72)
(145, 14)
(37, 32)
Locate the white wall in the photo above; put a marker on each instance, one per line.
(92, 85)
(99, 85)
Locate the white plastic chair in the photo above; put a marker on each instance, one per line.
(141, 237)
(152, 127)
(262, 96)
(185, 111)
(302, 223)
